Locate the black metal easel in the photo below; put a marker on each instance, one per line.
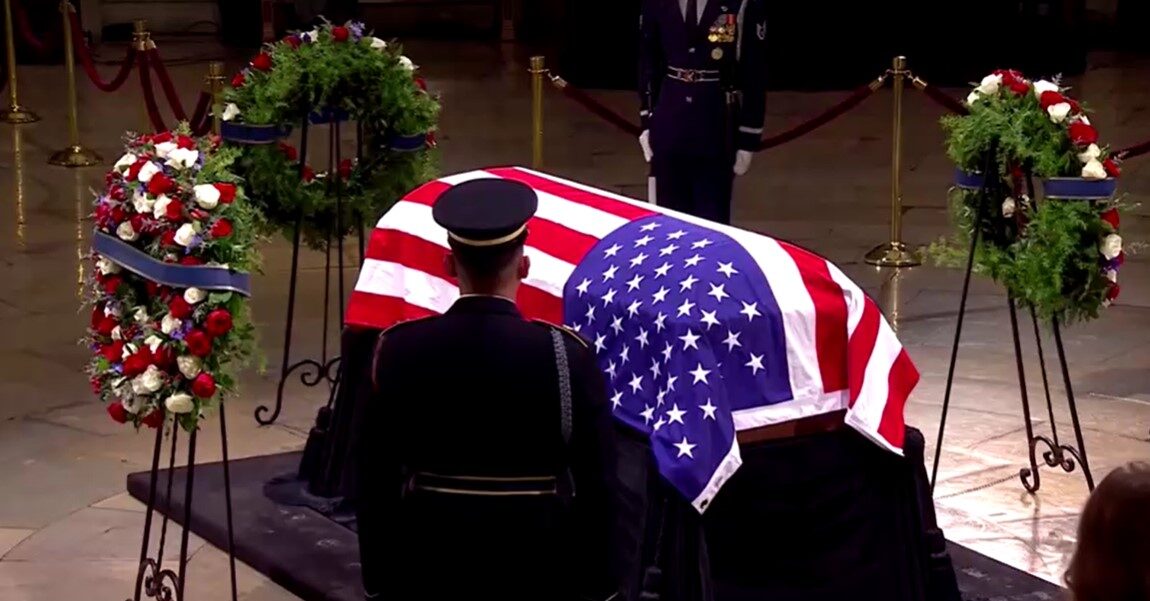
(1057, 454)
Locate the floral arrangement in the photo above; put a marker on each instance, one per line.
(338, 72)
(1060, 256)
(161, 350)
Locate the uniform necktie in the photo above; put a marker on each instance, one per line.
(692, 12)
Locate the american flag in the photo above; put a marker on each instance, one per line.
(703, 330)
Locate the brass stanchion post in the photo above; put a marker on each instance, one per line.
(215, 81)
(538, 71)
(75, 155)
(894, 253)
(142, 40)
(14, 114)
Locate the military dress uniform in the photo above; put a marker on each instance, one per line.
(477, 479)
(703, 97)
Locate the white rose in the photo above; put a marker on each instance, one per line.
(231, 111)
(160, 208)
(1058, 112)
(180, 403)
(189, 365)
(170, 323)
(1083, 120)
(129, 350)
(112, 311)
(147, 171)
(163, 149)
(406, 63)
(131, 405)
(1008, 207)
(1093, 170)
(184, 158)
(1042, 85)
(117, 333)
(378, 44)
(314, 34)
(153, 342)
(185, 234)
(972, 98)
(194, 295)
(142, 203)
(1092, 152)
(1112, 275)
(124, 162)
(106, 267)
(148, 382)
(207, 196)
(989, 84)
(140, 315)
(126, 232)
(1111, 246)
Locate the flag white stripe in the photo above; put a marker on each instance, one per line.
(385, 278)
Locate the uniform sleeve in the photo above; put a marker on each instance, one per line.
(651, 62)
(595, 471)
(752, 73)
(380, 477)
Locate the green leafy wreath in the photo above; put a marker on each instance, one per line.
(334, 72)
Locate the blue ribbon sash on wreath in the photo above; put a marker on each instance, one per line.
(243, 133)
(1077, 188)
(204, 277)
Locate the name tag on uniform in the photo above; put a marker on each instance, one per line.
(723, 30)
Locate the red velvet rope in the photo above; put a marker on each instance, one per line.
(84, 54)
(201, 121)
(24, 25)
(806, 127)
(944, 100)
(166, 83)
(1133, 151)
(603, 111)
(149, 95)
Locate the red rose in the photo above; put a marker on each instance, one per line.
(165, 358)
(293, 41)
(105, 327)
(1112, 169)
(199, 343)
(308, 173)
(1075, 108)
(345, 169)
(152, 288)
(1113, 291)
(227, 192)
(113, 352)
(118, 214)
(421, 83)
(218, 323)
(97, 314)
(289, 151)
(134, 170)
(221, 229)
(138, 223)
(160, 184)
(204, 386)
(168, 238)
(154, 419)
(238, 80)
(179, 308)
(1083, 134)
(339, 33)
(262, 62)
(1111, 216)
(190, 260)
(1019, 86)
(137, 363)
(117, 193)
(198, 214)
(117, 411)
(185, 142)
(112, 284)
(1050, 98)
(160, 138)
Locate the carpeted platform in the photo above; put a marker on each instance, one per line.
(317, 558)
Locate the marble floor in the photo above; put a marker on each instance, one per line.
(66, 525)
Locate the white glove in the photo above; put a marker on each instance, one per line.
(645, 142)
(743, 161)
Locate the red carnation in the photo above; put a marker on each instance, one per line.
(190, 260)
(1019, 86)
(134, 170)
(1113, 291)
(218, 323)
(1083, 134)
(137, 363)
(198, 214)
(179, 308)
(154, 419)
(138, 223)
(238, 80)
(308, 173)
(293, 41)
(262, 62)
(118, 214)
(97, 314)
(1050, 98)
(227, 192)
(289, 151)
(117, 411)
(160, 184)
(105, 327)
(204, 386)
(168, 238)
(339, 33)
(112, 284)
(1111, 216)
(113, 352)
(185, 142)
(117, 193)
(1112, 169)
(160, 138)
(221, 229)
(1075, 108)
(345, 169)
(165, 358)
(199, 343)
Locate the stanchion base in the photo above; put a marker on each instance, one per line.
(892, 254)
(75, 156)
(16, 115)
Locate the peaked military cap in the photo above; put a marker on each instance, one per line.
(485, 212)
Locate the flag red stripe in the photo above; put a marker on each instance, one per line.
(860, 347)
(427, 193)
(370, 310)
(830, 317)
(902, 379)
(585, 197)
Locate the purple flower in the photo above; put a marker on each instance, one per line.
(118, 368)
(356, 29)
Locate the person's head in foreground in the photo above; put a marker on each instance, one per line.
(486, 223)
(1112, 559)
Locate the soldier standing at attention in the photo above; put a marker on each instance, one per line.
(702, 98)
(487, 455)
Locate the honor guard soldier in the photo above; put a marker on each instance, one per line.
(487, 455)
(703, 97)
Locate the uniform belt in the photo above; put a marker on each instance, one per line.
(815, 424)
(484, 486)
(693, 75)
